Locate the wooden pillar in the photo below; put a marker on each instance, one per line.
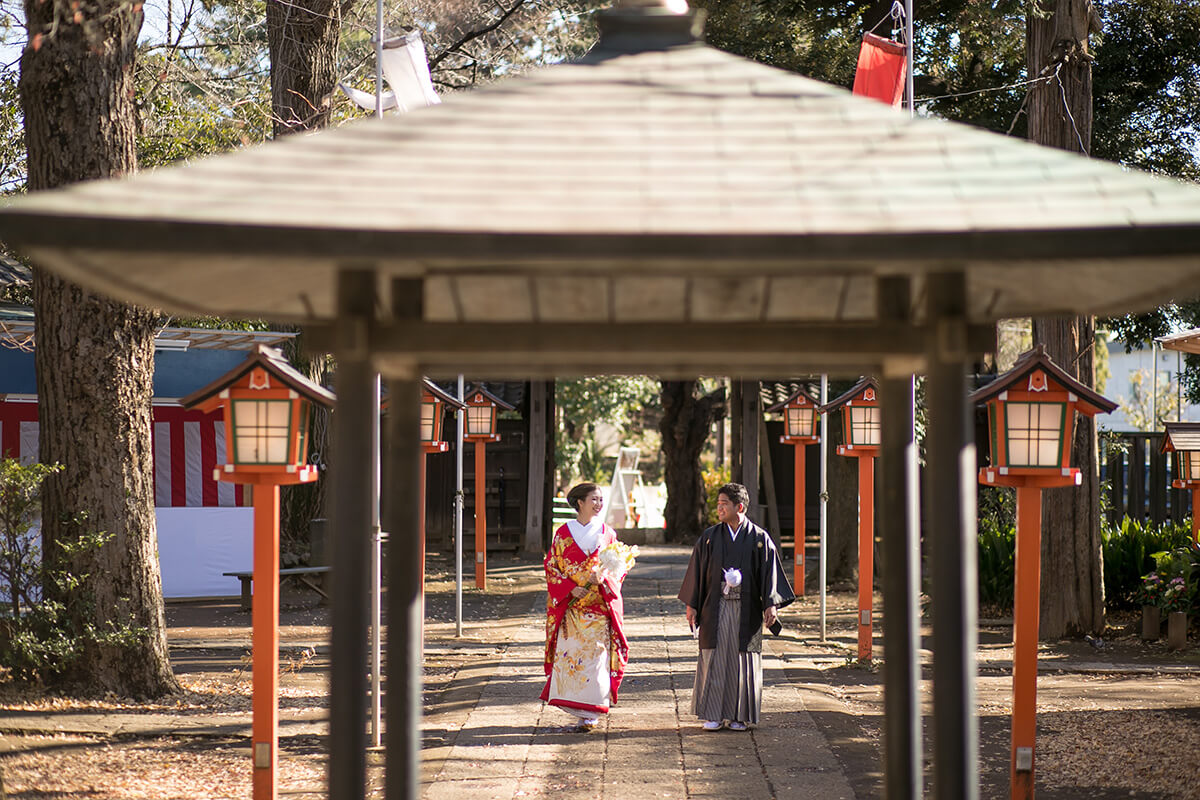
(352, 504)
(480, 515)
(950, 476)
(900, 546)
(535, 520)
(265, 658)
(866, 553)
(799, 523)
(1026, 604)
(751, 414)
(402, 734)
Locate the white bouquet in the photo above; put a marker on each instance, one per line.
(733, 579)
(617, 559)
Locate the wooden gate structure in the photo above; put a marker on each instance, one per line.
(733, 218)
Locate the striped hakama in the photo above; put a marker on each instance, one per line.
(728, 683)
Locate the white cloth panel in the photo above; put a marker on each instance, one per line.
(226, 492)
(29, 442)
(194, 464)
(406, 70)
(197, 545)
(162, 463)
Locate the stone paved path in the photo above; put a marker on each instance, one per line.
(507, 744)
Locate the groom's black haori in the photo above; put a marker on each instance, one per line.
(728, 686)
(764, 581)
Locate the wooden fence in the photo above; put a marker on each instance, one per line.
(1137, 479)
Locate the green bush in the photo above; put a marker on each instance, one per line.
(997, 547)
(1128, 552)
(714, 478)
(43, 634)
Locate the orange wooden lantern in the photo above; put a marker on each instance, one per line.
(1183, 439)
(481, 429)
(267, 405)
(801, 417)
(862, 436)
(1031, 418)
(434, 403)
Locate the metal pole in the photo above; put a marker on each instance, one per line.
(376, 574)
(866, 553)
(379, 59)
(1153, 385)
(404, 593)
(822, 546)
(798, 523)
(908, 41)
(951, 526)
(458, 512)
(899, 536)
(480, 514)
(351, 504)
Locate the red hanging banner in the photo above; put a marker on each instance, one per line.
(881, 69)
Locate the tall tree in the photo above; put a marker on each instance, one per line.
(1060, 115)
(686, 425)
(303, 38)
(94, 357)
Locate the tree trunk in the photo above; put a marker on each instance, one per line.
(1072, 567)
(302, 36)
(685, 426)
(1060, 115)
(94, 357)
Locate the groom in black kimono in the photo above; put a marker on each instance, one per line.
(735, 584)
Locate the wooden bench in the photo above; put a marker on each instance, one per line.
(302, 573)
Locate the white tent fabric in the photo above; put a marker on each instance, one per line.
(196, 546)
(406, 70)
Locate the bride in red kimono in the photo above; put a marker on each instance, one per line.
(586, 649)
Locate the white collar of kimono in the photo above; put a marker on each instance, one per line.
(586, 536)
(733, 534)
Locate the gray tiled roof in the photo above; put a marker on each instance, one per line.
(684, 184)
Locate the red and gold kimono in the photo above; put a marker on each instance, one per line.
(586, 649)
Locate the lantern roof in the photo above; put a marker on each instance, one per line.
(477, 388)
(273, 362)
(447, 398)
(801, 391)
(1181, 436)
(1089, 403)
(853, 392)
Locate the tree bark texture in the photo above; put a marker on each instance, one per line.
(1060, 115)
(94, 357)
(685, 426)
(302, 36)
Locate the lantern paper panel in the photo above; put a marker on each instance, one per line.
(261, 431)
(1034, 433)
(429, 410)
(1188, 465)
(480, 420)
(799, 420)
(865, 426)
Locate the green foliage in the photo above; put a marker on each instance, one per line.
(20, 508)
(584, 403)
(12, 135)
(997, 547)
(714, 478)
(997, 506)
(45, 628)
(1128, 554)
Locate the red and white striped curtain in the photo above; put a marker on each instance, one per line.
(188, 445)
